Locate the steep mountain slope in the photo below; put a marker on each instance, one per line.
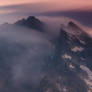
(31, 62)
(71, 64)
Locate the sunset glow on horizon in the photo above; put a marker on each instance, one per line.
(18, 8)
(56, 4)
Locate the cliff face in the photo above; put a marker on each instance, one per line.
(70, 63)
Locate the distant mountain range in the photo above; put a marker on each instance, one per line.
(60, 65)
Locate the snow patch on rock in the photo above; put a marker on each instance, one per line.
(66, 56)
(77, 49)
(83, 42)
(88, 80)
(71, 66)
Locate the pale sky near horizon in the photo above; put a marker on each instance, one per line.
(65, 4)
(14, 9)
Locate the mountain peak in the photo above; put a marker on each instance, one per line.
(73, 25)
(30, 22)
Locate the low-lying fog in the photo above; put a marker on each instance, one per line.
(24, 53)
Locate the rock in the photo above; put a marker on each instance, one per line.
(31, 22)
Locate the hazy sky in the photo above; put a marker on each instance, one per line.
(11, 6)
(9, 9)
(63, 4)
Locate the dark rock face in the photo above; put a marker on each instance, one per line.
(31, 22)
(83, 40)
(63, 77)
(70, 83)
(73, 25)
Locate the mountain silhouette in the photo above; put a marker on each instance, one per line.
(31, 22)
